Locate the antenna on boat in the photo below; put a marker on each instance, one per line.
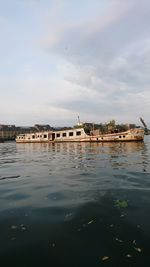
(78, 120)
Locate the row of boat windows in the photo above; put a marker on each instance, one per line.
(70, 134)
(78, 133)
(120, 136)
(39, 136)
(33, 136)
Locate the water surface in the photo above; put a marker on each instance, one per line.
(58, 204)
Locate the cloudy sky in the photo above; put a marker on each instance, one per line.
(64, 58)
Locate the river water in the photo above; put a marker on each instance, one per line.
(75, 204)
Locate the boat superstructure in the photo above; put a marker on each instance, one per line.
(79, 135)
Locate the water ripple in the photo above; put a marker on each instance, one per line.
(9, 177)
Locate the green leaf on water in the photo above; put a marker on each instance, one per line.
(121, 204)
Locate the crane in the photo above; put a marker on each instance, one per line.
(143, 122)
(145, 126)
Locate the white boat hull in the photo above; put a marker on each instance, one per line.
(79, 135)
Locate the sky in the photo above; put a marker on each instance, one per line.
(60, 59)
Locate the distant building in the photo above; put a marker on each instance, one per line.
(9, 132)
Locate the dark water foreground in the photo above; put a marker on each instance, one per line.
(75, 204)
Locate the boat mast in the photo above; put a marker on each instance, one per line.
(78, 120)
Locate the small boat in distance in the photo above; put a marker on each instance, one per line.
(78, 134)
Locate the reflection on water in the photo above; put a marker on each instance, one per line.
(57, 204)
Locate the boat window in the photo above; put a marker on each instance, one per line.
(119, 136)
(123, 136)
(64, 134)
(58, 135)
(45, 135)
(71, 134)
(78, 133)
(33, 136)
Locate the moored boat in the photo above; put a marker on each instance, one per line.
(79, 135)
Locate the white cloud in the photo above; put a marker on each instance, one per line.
(108, 58)
(95, 64)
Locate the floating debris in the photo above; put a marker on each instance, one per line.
(111, 225)
(138, 249)
(53, 245)
(122, 215)
(22, 227)
(68, 215)
(105, 258)
(14, 227)
(129, 256)
(90, 222)
(134, 242)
